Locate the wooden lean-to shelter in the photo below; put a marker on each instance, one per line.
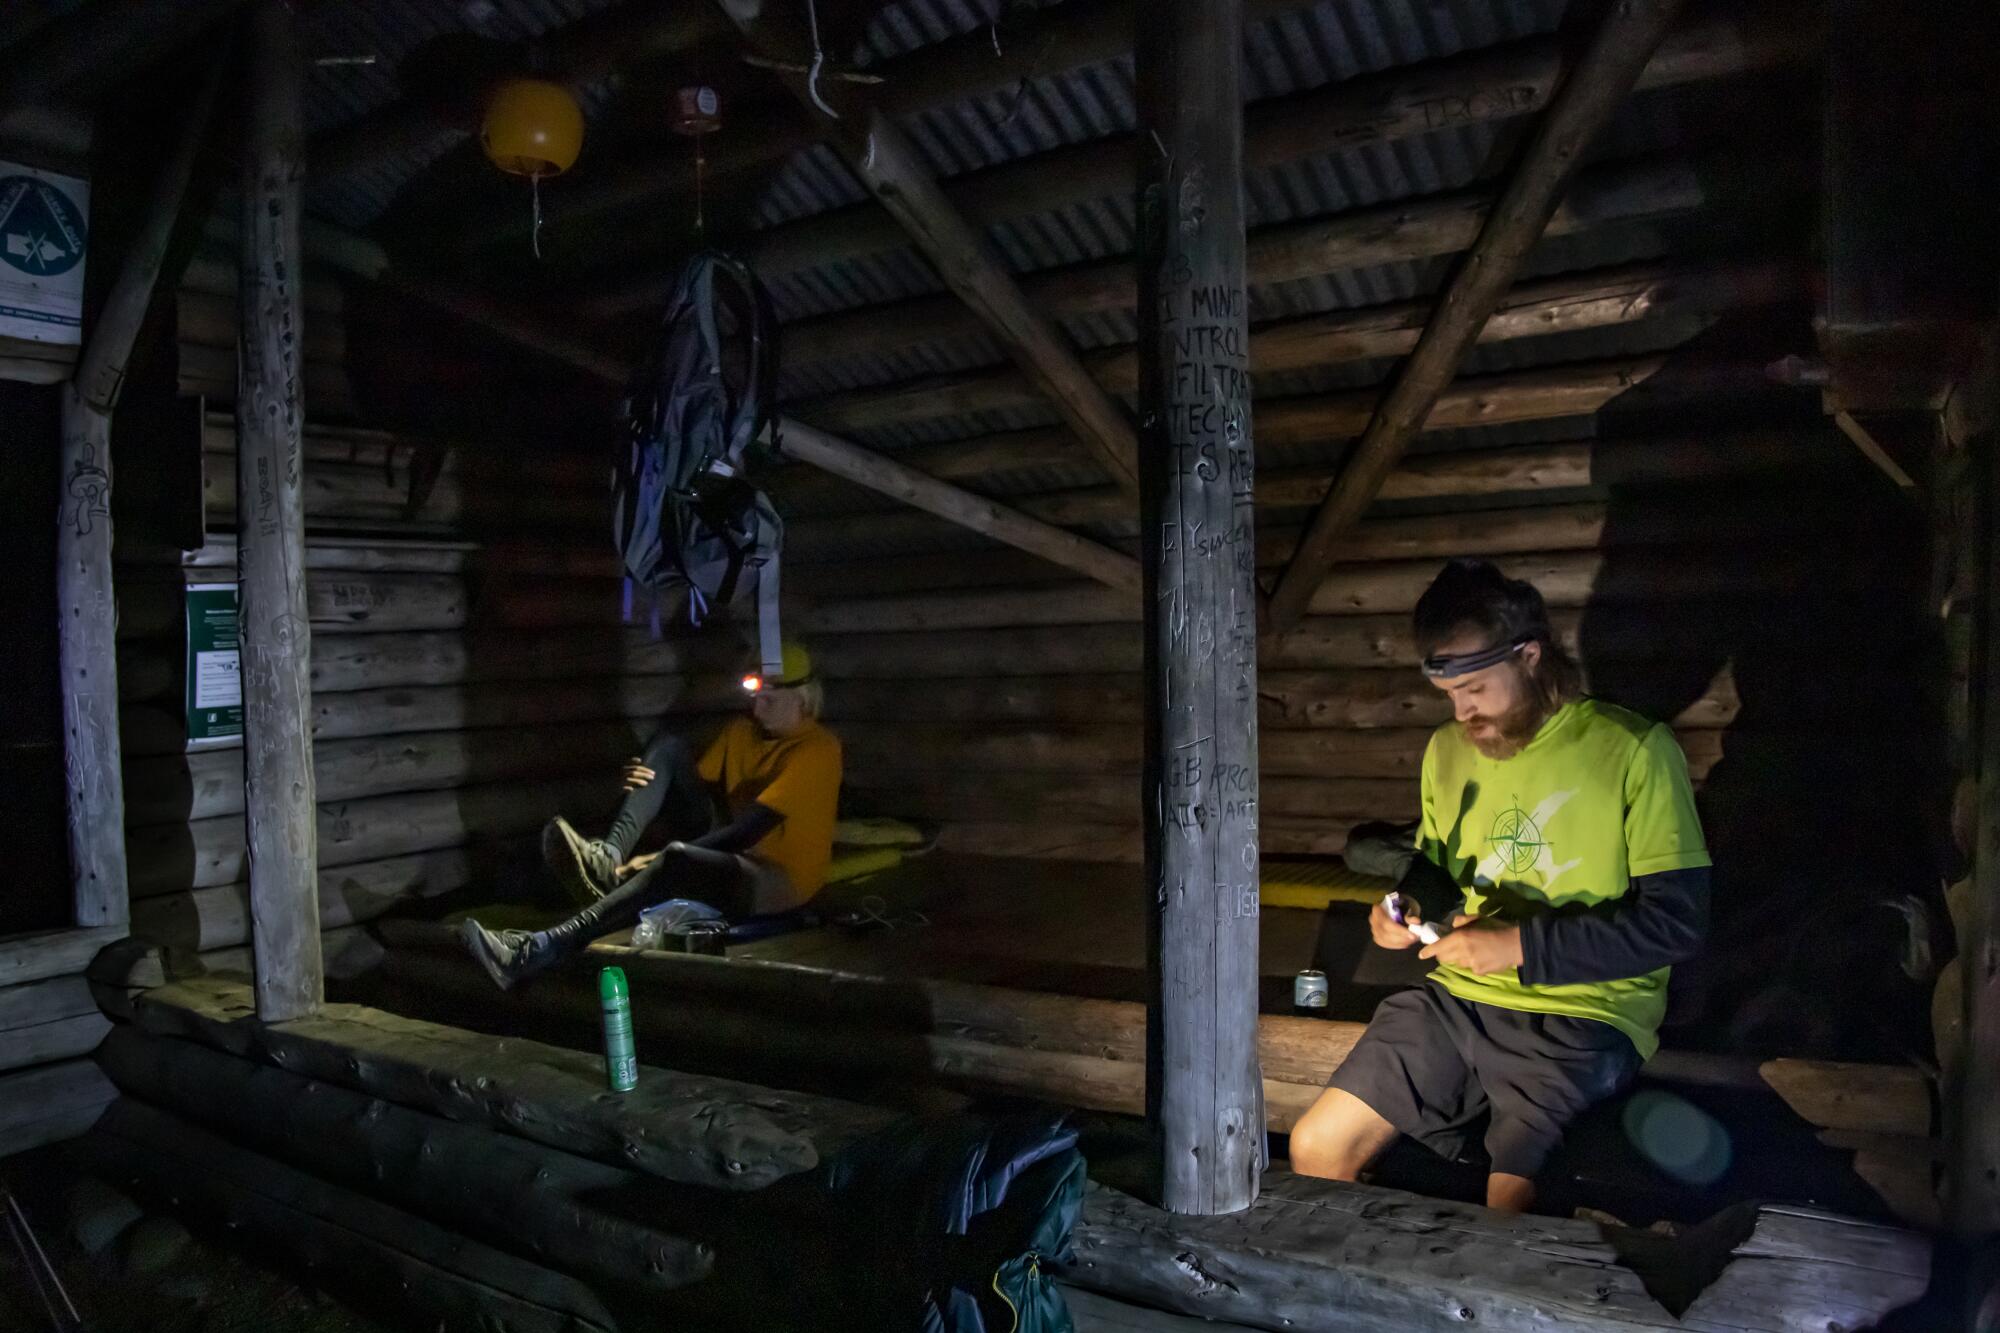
(1139, 366)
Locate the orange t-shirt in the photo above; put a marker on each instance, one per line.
(798, 777)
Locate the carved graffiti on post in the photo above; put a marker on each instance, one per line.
(1198, 477)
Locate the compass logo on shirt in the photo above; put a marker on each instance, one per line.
(1516, 839)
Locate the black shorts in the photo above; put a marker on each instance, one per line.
(1431, 1064)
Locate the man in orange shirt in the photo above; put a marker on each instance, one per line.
(774, 778)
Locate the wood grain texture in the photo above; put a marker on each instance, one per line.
(398, 1261)
(271, 582)
(713, 1132)
(1625, 39)
(481, 1183)
(1393, 1260)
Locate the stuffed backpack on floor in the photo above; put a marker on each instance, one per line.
(684, 512)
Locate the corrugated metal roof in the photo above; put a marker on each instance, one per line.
(389, 30)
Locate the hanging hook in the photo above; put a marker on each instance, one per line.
(818, 62)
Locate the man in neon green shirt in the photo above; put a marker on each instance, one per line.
(1568, 828)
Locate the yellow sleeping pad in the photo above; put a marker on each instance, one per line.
(854, 862)
(1314, 883)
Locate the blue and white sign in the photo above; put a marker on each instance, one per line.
(43, 236)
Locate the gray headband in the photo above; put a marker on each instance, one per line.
(1443, 666)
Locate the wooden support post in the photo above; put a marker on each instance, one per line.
(270, 544)
(1585, 103)
(1972, 1071)
(1204, 1092)
(92, 760)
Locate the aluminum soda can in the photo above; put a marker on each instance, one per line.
(1309, 990)
(621, 1060)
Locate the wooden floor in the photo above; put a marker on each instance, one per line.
(1069, 927)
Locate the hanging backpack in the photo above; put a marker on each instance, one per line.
(684, 513)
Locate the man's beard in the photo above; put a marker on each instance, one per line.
(1505, 736)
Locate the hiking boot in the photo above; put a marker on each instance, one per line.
(586, 868)
(509, 956)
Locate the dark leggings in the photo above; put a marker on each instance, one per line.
(678, 799)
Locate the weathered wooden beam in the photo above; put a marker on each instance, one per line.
(173, 858)
(271, 585)
(1283, 252)
(50, 1103)
(1199, 788)
(702, 1131)
(363, 258)
(1972, 1190)
(1604, 76)
(92, 761)
(888, 164)
(1474, 88)
(397, 1262)
(52, 953)
(96, 46)
(1699, 293)
(988, 517)
(1375, 1254)
(487, 1185)
(202, 920)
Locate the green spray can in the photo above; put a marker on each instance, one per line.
(621, 1061)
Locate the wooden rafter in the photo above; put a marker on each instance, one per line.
(883, 158)
(363, 258)
(1624, 40)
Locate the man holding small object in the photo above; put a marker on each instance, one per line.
(1559, 839)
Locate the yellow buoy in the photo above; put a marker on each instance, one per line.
(532, 128)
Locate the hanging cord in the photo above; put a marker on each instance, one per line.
(535, 192)
(700, 183)
(818, 62)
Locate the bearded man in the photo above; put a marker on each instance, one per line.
(1568, 828)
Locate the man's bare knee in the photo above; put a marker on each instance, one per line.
(1338, 1137)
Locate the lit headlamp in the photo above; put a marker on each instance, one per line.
(1449, 665)
(756, 684)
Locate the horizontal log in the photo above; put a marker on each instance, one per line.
(1405, 230)
(487, 1185)
(699, 1131)
(360, 602)
(219, 918)
(57, 1039)
(1107, 797)
(51, 1104)
(1697, 294)
(209, 852)
(1567, 465)
(210, 372)
(44, 1001)
(52, 953)
(1845, 1097)
(214, 271)
(474, 462)
(209, 319)
(360, 662)
(1308, 1246)
(456, 498)
(388, 1258)
(208, 783)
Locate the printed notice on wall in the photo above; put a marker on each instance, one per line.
(42, 241)
(214, 687)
